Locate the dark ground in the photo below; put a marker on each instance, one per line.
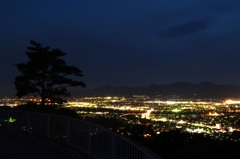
(15, 147)
(178, 146)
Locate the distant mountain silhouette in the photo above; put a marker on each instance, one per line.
(178, 89)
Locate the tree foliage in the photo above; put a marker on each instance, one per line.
(46, 74)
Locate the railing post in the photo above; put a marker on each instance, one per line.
(8, 119)
(28, 123)
(113, 144)
(48, 126)
(68, 130)
(89, 138)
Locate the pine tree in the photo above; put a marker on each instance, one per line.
(46, 74)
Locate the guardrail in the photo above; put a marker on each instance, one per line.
(95, 141)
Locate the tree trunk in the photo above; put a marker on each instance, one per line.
(43, 92)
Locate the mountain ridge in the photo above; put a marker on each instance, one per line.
(181, 89)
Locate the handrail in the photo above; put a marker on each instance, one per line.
(95, 140)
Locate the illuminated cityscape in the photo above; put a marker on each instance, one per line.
(217, 119)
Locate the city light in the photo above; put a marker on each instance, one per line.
(193, 116)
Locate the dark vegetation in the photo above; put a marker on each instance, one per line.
(33, 107)
(46, 75)
(111, 123)
(175, 144)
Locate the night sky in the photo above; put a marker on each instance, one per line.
(126, 42)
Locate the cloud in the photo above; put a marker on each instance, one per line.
(186, 28)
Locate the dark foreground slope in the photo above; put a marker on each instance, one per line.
(176, 145)
(14, 146)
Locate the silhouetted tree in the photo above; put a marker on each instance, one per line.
(46, 74)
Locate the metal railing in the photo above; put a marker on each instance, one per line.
(95, 141)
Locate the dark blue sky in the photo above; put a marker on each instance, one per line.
(127, 42)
